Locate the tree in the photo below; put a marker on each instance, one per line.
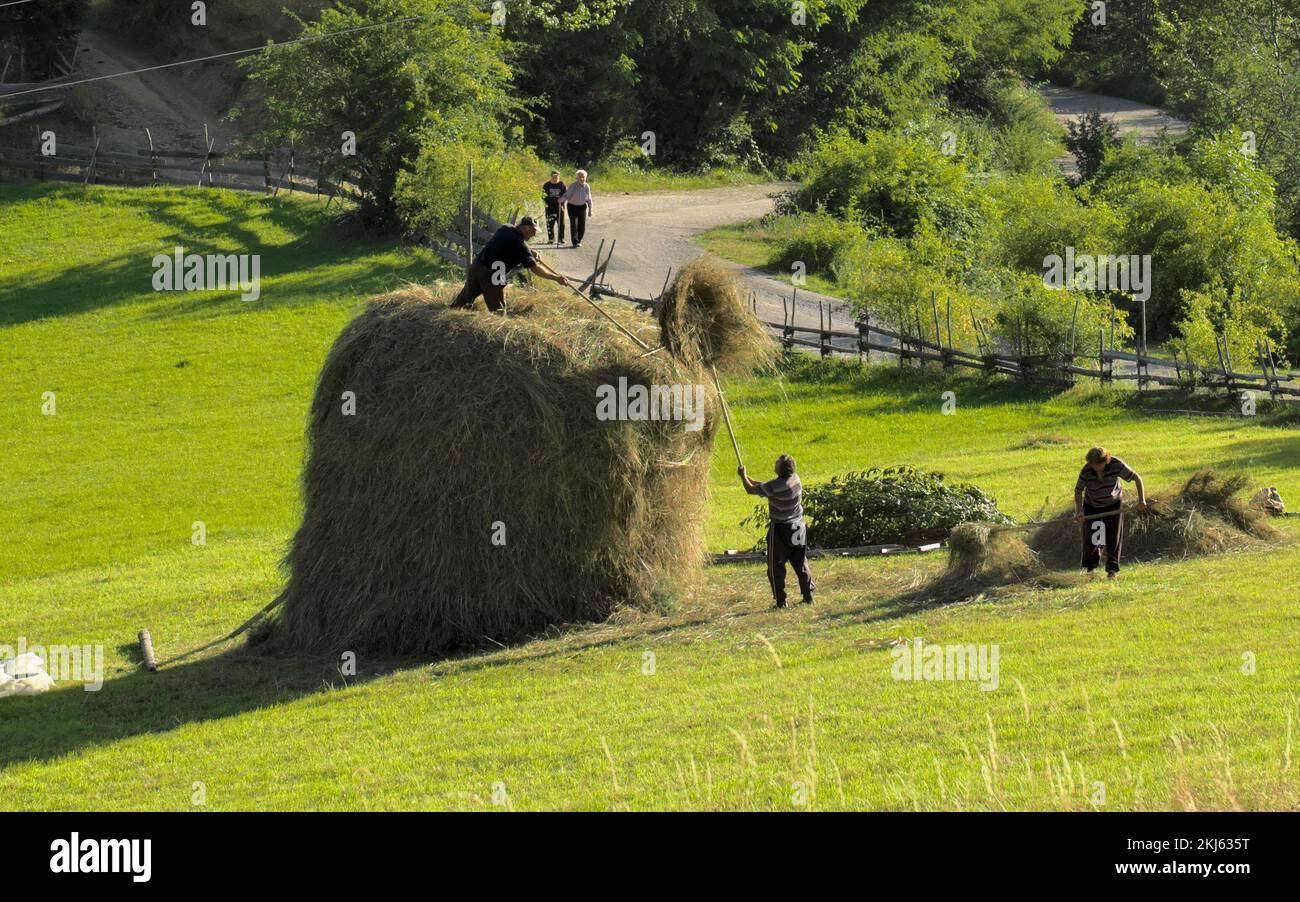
(1089, 138)
(410, 71)
(31, 34)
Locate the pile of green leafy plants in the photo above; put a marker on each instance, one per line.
(883, 506)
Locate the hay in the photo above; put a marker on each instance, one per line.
(981, 558)
(704, 319)
(468, 428)
(1205, 516)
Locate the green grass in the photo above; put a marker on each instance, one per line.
(1136, 684)
(622, 179)
(754, 244)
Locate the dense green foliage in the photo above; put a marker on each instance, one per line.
(899, 505)
(432, 81)
(897, 219)
(1221, 66)
(30, 35)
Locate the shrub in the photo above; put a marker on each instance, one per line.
(1088, 138)
(814, 239)
(882, 506)
(892, 181)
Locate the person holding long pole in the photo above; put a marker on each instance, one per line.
(787, 536)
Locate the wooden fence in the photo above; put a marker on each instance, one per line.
(282, 169)
(863, 336)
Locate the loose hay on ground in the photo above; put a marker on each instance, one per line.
(1205, 516)
(470, 427)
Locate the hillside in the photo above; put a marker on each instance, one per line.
(177, 408)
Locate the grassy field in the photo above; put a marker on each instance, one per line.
(754, 244)
(175, 408)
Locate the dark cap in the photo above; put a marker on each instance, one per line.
(526, 221)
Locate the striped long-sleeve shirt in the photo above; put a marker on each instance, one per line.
(784, 498)
(1104, 490)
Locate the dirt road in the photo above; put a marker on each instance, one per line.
(163, 101)
(656, 231)
(1149, 122)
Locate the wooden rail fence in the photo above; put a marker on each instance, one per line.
(282, 169)
(865, 336)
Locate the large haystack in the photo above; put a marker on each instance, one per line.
(475, 496)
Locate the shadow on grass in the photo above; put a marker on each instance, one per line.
(214, 222)
(907, 388)
(246, 678)
(68, 720)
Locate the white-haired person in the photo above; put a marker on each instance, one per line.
(577, 200)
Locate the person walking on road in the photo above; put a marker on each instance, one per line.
(552, 191)
(577, 200)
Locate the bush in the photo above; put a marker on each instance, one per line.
(1028, 137)
(1035, 319)
(1088, 138)
(882, 506)
(814, 239)
(890, 181)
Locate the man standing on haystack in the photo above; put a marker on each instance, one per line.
(1099, 508)
(506, 252)
(787, 537)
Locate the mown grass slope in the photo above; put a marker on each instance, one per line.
(1173, 688)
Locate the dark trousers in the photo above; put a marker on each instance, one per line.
(479, 282)
(787, 542)
(577, 222)
(554, 217)
(1113, 534)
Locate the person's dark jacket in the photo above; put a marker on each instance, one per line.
(509, 247)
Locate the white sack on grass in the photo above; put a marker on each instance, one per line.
(24, 675)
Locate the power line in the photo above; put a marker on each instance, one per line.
(15, 3)
(214, 56)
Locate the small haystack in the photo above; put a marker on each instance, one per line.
(1205, 516)
(475, 496)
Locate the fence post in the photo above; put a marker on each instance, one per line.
(1101, 355)
(153, 157)
(469, 221)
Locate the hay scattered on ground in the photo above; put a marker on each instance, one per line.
(471, 428)
(1207, 515)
